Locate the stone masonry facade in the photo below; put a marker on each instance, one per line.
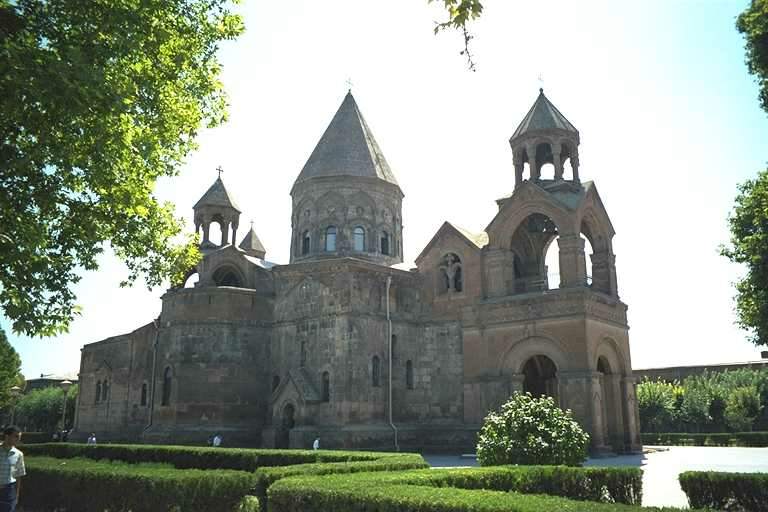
(342, 345)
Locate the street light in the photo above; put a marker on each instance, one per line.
(65, 385)
(15, 392)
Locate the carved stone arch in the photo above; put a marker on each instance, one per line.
(521, 350)
(229, 274)
(502, 228)
(611, 351)
(595, 230)
(362, 200)
(306, 204)
(330, 206)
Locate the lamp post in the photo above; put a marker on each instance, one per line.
(15, 392)
(65, 385)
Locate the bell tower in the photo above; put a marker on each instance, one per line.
(545, 136)
(217, 206)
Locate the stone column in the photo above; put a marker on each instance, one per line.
(234, 233)
(572, 263)
(604, 272)
(557, 162)
(631, 415)
(580, 392)
(517, 163)
(531, 150)
(575, 165)
(206, 231)
(496, 280)
(224, 233)
(614, 410)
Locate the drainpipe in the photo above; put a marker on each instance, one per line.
(389, 358)
(156, 323)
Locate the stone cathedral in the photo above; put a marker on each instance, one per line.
(340, 344)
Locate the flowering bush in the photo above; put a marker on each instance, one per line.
(531, 430)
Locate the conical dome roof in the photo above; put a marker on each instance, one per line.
(217, 195)
(347, 148)
(252, 245)
(543, 116)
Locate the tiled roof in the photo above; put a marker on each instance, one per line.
(347, 148)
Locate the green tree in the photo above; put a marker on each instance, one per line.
(10, 371)
(749, 220)
(656, 402)
(749, 246)
(40, 410)
(742, 408)
(98, 100)
(529, 430)
(753, 24)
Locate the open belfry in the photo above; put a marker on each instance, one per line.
(339, 344)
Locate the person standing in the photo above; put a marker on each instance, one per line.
(316, 444)
(91, 439)
(11, 469)
(217, 439)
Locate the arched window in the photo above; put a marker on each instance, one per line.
(451, 276)
(409, 374)
(394, 346)
(98, 392)
(275, 382)
(144, 394)
(326, 393)
(305, 243)
(166, 386)
(384, 242)
(375, 372)
(227, 276)
(359, 238)
(330, 239)
(105, 391)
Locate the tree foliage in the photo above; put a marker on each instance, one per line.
(753, 24)
(742, 408)
(10, 370)
(529, 430)
(460, 13)
(749, 246)
(98, 100)
(710, 402)
(40, 410)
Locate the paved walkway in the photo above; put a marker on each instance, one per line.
(660, 469)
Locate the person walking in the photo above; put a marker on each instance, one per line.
(11, 469)
(91, 439)
(217, 439)
(316, 444)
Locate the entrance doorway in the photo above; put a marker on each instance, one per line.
(540, 377)
(286, 424)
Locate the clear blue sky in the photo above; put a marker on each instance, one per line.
(668, 117)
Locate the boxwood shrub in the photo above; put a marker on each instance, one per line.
(95, 486)
(475, 489)
(726, 491)
(756, 439)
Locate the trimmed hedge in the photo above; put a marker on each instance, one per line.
(266, 476)
(35, 437)
(194, 457)
(266, 466)
(726, 491)
(95, 486)
(486, 489)
(756, 439)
